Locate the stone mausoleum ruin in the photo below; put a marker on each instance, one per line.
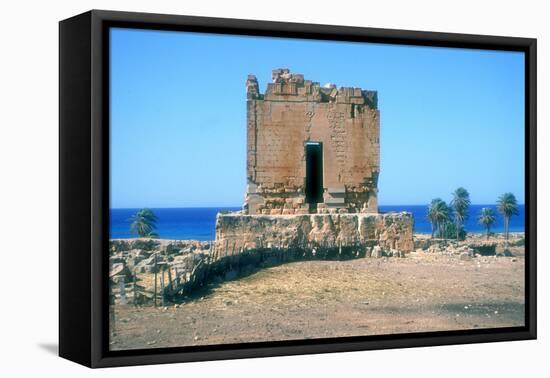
(313, 161)
(311, 149)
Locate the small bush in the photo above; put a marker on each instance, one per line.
(448, 231)
(520, 242)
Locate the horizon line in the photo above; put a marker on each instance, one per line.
(230, 206)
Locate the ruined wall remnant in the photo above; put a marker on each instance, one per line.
(391, 232)
(294, 111)
(313, 159)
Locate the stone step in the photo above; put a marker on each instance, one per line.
(340, 190)
(335, 202)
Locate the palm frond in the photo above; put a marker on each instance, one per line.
(143, 223)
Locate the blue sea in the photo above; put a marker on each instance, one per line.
(199, 223)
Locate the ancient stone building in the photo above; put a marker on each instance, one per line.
(311, 149)
(313, 159)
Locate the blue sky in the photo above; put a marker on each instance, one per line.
(449, 117)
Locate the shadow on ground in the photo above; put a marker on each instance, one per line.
(51, 348)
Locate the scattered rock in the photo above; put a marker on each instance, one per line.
(368, 252)
(465, 256)
(119, 270)
(434, 249)
(505, 253)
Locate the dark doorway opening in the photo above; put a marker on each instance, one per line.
(314, 174)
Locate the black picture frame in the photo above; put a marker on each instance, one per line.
(84, 187)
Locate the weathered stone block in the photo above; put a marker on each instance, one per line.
(293, 111)
(244, 231)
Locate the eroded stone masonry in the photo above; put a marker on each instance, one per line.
(313, 160)
(343, 124)
(391, 232)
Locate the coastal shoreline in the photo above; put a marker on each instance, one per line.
(493, 236)
(199, 223)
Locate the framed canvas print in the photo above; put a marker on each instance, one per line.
(235, 188)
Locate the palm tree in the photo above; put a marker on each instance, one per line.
(438, 214)
(487, 218)
(507, 205)
(143, 224)
(444, 219)
(460, 204)
(432, 214)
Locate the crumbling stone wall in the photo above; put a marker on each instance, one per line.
(392, 232)
(293, 111)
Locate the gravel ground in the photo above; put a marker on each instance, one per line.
(317, 299)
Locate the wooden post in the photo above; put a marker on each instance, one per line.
(232, 253)
(162, 286)
(170, 278)
(156, 268)
(135, 288)
(113, 320)
(122, 289)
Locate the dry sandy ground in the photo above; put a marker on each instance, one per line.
(316, 299)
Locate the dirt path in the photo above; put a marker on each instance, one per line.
(316, 299)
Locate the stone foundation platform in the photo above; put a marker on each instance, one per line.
(236, 232)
